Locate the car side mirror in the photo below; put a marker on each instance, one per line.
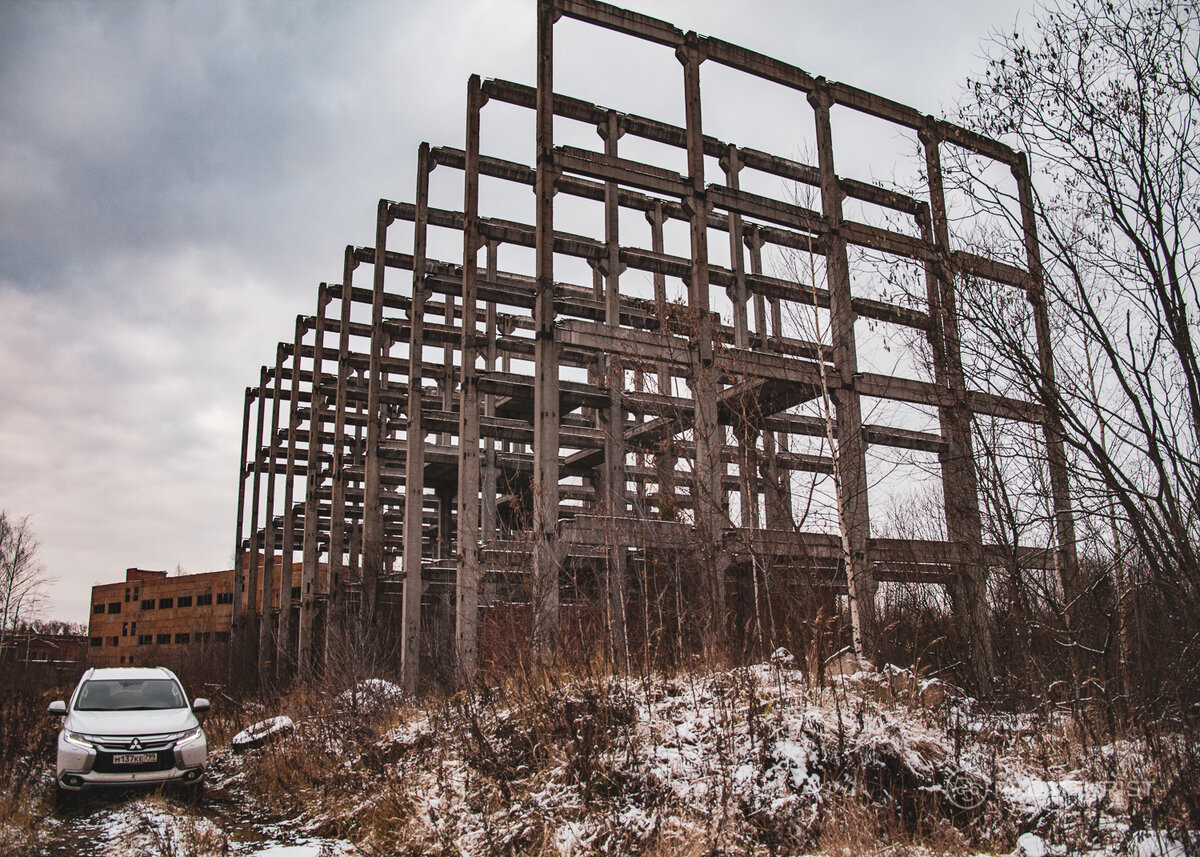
(58, 708)
(200, 705)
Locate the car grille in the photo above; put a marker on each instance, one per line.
(163, 760)
(146, 743)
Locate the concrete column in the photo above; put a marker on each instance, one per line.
(469, 572)
(752, 238)
(1065, 551)
(777, 492)
(612, 419)
(664, 461)
(850, 464)
(709, 466)
(732, 165)
(960, 484)
(249, 636)
(747, 435)
(318, 416)
(266, 627)
(546, 418)
(283, 648)
(372, 555)
(488, 513)
(338, 575)
(414, 470)
(239, 549)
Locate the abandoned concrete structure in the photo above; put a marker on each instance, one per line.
(453, 436)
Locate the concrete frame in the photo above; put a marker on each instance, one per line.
(491, 426)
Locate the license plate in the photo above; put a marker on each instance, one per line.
(134, 758)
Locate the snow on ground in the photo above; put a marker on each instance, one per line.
(304, 848)
(153, 826)
(747, 760)
(372, 695)
(612, 765)
(733, 758)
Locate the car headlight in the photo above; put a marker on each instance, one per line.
(190, 736)
(78, 740)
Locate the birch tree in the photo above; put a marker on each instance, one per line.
(23, 578)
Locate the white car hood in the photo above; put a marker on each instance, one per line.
(115, 723)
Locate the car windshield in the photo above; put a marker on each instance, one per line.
(143, 694)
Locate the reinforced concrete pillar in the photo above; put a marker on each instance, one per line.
(709, 465)
(664, 459)
(732, 165)
(284, 653)
(546, 417)
(612, 418)
(372, 553)
(318, 416)
(488, 515)
(249, 636)
(414, 468)
(469, 571)
(266, 628)
(338, 573)
(239, 549)
(850, 464)
(1066, 556)
(777, 487)
(960, 483)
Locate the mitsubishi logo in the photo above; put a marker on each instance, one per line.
(135, 744)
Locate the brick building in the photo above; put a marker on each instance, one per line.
(150, 618)
(60, 656)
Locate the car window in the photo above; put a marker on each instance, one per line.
(129, 695)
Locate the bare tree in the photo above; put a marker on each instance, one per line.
(23, 579)
(1105, 99)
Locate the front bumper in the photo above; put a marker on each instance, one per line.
(80, 780)
(76, 766)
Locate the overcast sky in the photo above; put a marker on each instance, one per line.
(177, 177)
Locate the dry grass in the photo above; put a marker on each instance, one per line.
(578, 762)
(27, 736)
(547, 766)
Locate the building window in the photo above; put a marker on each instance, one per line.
(145, 639)
(165, 603)
(126, 594)
(133, 628)
(202, 636)
(222, 637)
(39, 656)
(183, 601)
(97, 642)
(147, 603)
(124, 629)
(97, 608)
(114, 607)
(115, 640)
(163, 639)
(182, 638)
(295, 592)
(135, 593)
(224, 597)
(204, 600)
(122, 659)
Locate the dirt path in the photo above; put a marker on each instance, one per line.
(165, 825)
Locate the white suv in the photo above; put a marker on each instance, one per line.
(127, 726)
